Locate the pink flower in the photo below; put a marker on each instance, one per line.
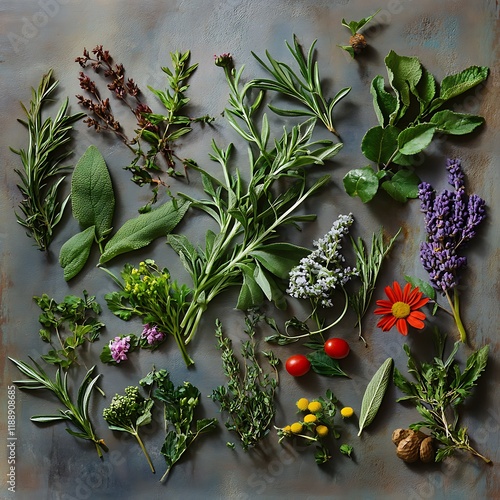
(152, 334)
(119, 347)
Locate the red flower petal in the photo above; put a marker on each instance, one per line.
(420, 303)
(386, 323)
(383, 310)
(402, 326)
(418, 315)
(415, 322)
(391, 294)
(384, 303)
(406, 293)
(398, 293)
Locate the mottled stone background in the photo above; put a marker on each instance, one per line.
(447, 36)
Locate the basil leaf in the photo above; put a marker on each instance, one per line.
(454, 85)
(280, 258)
(412, 140)
(92, 196)
(374, 393)
(322, 364)
(402, 186)
(384, 103)
(450, 122)
(379, 144)
(142, 230)
(362, 182)
(75, 252)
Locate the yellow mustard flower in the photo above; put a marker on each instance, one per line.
(310, 419)
(302, 404)
(314, 406)
(296, 428)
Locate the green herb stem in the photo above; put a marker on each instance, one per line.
(455, 309)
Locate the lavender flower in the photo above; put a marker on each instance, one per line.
(451, 220)
(152, 334)
(119, 348)
(322, 271)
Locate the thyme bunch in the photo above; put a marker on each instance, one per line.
(248, 398)
(75, 413)
(43, 172)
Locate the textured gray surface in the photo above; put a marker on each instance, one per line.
(447, 36)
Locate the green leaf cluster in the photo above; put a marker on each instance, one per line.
(72, 322)
(303, 86)
(438, 389)
(410, 113)
(248, 397)
(43, 171)
(75, 413)
(129, 412)
(179, 407)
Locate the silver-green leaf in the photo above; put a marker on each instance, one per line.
(374, 394)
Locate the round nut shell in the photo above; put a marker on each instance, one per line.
(399, 434)
(408, 449)
(426, 451)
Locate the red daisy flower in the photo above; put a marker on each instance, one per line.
(401, 308)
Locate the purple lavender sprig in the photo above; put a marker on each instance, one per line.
(451, 220)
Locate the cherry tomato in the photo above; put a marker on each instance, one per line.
(297, 365)
(337, 348)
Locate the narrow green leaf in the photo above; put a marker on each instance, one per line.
(280, 258)
(412, 140)
(75, 252)
(450, 122)
(362, 182)
(142, 230)
(92, 196)
(374, 393)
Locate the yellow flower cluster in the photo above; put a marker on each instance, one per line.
(311, 422)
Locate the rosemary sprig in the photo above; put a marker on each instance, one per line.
(248, 398)
(42, 172)
(304, 87)
(368, 265)
(77, 414)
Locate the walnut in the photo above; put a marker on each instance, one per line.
(408, 448)
(426, 451)
(399, 434)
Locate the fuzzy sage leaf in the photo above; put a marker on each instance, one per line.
(374, 394)
(75, 252)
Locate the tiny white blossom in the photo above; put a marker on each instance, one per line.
(322, 271)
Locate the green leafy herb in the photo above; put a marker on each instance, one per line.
(179, 406)
(347, 450)
(73, 322)
(142, 230)
(324, 365)
(129, 412)
(368, 266)
(440, 387)
(77, 414)
(156, 133)
(43, 173)
(357, 42)
(409, 116)
(374, 393)
(75, 252)
(249, 395)
(304, 86)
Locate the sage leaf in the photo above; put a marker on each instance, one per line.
(402, 186)
(75, 252)
(384, 103)
(142, 230)
(379, 144)
(250, 293)
(279, 258)
(412, 140)
(450, 122)
(92, 196)
(362, 182)
(374, 393)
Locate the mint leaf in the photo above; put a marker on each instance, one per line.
(412, 140)
(402, 185)
(362, 182)
(450, 122)
(379, 144)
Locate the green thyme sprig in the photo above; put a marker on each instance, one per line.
(43, 172)
(303, 86)
(248, 398)
(75, 413)
(440, 387)
(368, 264)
